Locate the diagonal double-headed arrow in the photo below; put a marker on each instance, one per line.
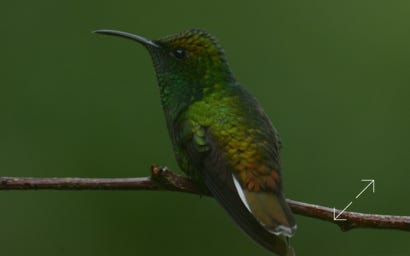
(371, 183)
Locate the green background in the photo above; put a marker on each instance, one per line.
(332, 75)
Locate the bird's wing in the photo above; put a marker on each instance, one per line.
(257, 179)
(205, 154)
(257, 176)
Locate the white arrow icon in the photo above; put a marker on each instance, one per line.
(371, 183)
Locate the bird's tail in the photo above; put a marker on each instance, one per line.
(280, 245)
(290, 251)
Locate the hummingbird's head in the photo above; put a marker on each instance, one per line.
(185, 63)
(193, 55)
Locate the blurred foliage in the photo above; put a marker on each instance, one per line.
(333, 77)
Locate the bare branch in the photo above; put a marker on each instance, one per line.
(166, 180)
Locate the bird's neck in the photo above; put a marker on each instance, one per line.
(178, 93)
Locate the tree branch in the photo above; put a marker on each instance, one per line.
(166, 180)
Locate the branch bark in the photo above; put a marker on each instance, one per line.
(162, 179)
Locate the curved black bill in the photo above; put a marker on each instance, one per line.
(133, 37)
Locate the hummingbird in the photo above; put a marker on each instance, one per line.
(221, 136)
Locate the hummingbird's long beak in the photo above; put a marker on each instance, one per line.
(139, 39)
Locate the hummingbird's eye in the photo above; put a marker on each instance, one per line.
(179, 54)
